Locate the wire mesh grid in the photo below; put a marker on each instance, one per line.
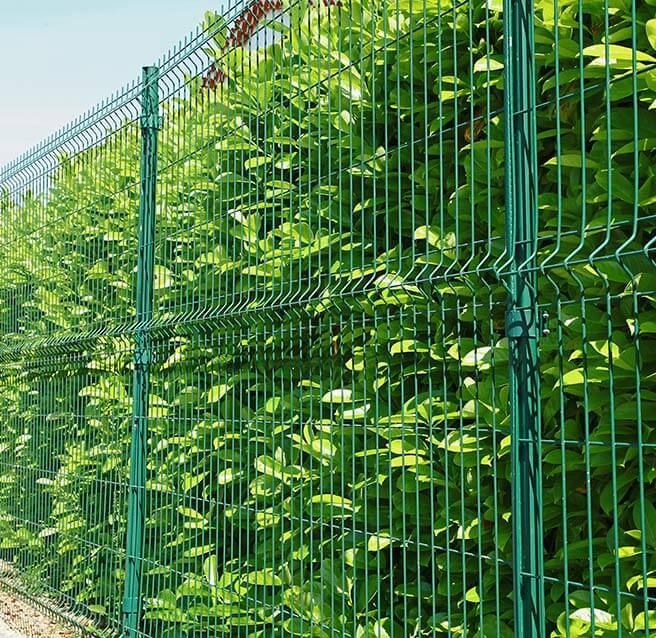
(388, 371)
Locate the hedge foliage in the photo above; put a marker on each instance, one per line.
(329, 448)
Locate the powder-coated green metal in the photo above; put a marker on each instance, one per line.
(136, 512)
(360, 344)
(522, 321)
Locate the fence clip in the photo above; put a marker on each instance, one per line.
(150, 122)
(142, 356)
(522, 323)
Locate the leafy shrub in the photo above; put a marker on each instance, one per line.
(329, 448)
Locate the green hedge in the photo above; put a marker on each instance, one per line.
(329, 447)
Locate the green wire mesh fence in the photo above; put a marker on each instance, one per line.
(341, 322)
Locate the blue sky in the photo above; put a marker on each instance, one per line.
(59, 57)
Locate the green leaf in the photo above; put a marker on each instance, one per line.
(198, 550)
(408, 345)
(642, 621)
(263, 577)
(650, 520)
(338, 396)
(602, 619)
(378, 542)
(616, 54)
(486, 63)
(162, 278)
(210, 570)
(333, 500)
(650, 27)
(227, 476)
(216, 393)
(495, 5)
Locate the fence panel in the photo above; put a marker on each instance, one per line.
(326, 322)
(596, 281)
(69, 238)
(382, 366)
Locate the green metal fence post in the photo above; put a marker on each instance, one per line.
(522, 323)
(142, 353)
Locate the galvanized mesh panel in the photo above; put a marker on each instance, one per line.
(340, 325)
